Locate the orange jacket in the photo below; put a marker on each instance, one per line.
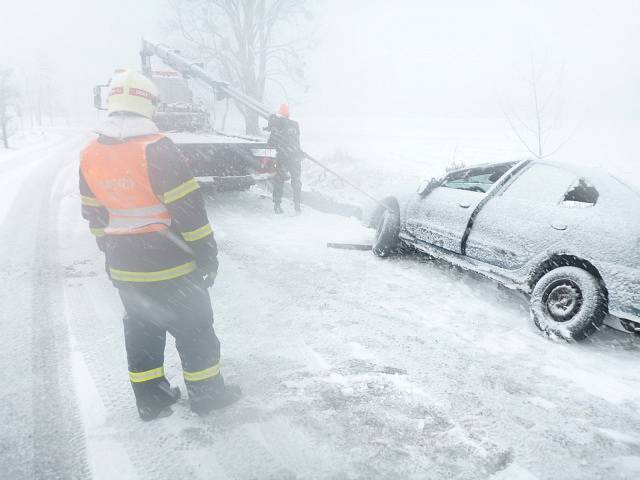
(146, 209)
(118, 175)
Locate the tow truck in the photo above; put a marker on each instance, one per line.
(215, 157)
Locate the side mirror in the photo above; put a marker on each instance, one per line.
(97, 97)
(427, 186)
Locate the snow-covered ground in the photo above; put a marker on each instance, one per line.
(351, 367)
(17, 163)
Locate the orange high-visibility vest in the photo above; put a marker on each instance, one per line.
(118, 175)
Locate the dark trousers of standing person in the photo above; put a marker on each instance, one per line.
(181, 307)
(293, 167)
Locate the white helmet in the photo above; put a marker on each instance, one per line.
(131, 91)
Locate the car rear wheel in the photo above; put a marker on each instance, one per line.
(568, 302)
(387, 240)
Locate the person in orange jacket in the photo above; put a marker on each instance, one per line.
(284, 137)
(148, 216)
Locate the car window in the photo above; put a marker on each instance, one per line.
(173, 89)
(580, 194)
(477, 179)
(540, 184)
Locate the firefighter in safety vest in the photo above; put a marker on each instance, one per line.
(148, 216)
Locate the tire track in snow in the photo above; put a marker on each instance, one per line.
(34, 154)
(43, 431)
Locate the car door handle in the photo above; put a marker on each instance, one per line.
(464, 205)
(558, 225)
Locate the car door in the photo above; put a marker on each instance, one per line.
(441, 217)
(523, 219)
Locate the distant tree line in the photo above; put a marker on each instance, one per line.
(28, 98)
(9, 106)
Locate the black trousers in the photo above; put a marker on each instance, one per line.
(181, 307)
(293, 167)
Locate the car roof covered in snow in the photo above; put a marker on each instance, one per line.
(485, 165)
(597, 175)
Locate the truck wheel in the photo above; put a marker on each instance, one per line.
(387, 240)
(568, 302)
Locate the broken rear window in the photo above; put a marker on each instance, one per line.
(580, 194)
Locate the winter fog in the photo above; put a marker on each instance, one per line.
(381, 239)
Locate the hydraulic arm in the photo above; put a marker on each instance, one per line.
(195, 70)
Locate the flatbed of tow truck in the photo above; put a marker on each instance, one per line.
(228, 161)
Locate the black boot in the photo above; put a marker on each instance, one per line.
(212, 395)
(229, 395)
(277, 208)
(161, 408)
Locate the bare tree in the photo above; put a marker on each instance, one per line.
(39, 90)
(247, 42)
(536, 126)
(8, 103)
(454, 163)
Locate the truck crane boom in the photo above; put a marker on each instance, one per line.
(194, 70)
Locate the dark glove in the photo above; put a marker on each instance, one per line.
(269, 126)
(209, 278)
(100, 241)
(106, 267)
(209, 273)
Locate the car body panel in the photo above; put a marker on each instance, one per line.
(536, 221)
(441, 218)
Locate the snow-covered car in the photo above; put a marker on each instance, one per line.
(570, 237)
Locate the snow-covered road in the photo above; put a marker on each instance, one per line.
(351, 367)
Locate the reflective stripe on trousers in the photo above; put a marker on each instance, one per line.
(138, 377)
(201, 375)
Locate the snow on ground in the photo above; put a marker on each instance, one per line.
(17, 164)
(352, 367)
(26, 141)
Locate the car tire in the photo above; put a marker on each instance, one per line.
(569, 303)
(387, 237)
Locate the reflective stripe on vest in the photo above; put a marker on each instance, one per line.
(157, 276)
(127, 220)
(118, 175)
(198, 233)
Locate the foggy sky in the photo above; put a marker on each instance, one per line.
(374, 57)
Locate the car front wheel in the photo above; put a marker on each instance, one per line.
(387, 240)
(568, 302)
